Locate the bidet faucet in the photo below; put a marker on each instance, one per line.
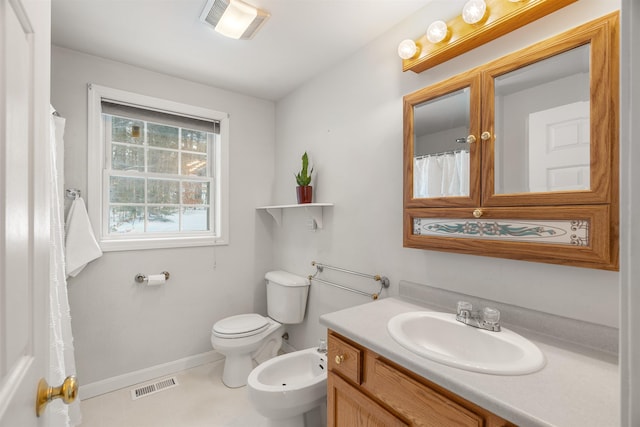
(488, 318)
(322, 346)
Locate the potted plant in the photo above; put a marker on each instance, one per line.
(303, 178)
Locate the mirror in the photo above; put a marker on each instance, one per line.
(441, 152)
(542, 125)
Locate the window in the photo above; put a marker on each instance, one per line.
(164, 172)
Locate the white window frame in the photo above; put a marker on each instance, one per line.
(97, 184)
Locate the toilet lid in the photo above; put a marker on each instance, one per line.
(242, 325)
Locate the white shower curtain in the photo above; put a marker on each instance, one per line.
(440, 175)
(61, 355)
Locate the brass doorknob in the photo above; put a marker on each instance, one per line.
(477, 213)
(471, 139)
(485, 135)
(68, 392)
(339, 359)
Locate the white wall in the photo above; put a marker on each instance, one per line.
(630, 202)
(120, 326)
(349, 120)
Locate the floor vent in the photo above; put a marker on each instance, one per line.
(149, 389)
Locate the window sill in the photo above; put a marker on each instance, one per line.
(159, 243)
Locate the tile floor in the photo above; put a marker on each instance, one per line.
(200, 400)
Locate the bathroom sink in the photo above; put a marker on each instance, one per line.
(441, 338)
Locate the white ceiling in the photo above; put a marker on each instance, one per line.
(301, 38)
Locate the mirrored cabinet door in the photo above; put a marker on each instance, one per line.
(442, 161)
(549, 115)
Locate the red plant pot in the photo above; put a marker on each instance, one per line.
(304, 193)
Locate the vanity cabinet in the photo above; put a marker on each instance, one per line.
(364, 389)
(518, 158)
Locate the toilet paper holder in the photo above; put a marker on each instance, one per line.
(141, 278)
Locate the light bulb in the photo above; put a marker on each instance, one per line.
(407, 49)
(437, 31)
(473, 11)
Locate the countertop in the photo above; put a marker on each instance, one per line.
(577, 387)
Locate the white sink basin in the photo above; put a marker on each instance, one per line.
(441, 338)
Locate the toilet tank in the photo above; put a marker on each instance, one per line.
(286, 296)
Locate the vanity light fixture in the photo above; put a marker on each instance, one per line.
(479, 22)
(473, 11)
(407, 49)
(437, 31)
(234, 18)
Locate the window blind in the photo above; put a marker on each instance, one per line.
(160, 117)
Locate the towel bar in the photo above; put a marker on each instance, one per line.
(384, 281)
(72, 193)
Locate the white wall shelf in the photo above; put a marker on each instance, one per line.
(312, 209)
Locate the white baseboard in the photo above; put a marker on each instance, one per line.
(127, 380)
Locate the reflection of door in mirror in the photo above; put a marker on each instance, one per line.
(441, 152)
(559, 160)
(542, 125)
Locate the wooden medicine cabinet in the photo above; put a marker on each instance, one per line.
(519, 158)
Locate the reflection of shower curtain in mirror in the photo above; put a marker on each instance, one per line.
(440, 175)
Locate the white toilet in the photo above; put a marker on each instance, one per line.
(246, 337)
(286, 387)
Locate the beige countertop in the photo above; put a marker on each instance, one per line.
(577, 387)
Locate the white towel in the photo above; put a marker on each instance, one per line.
(80, 245)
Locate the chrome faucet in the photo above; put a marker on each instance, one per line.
(488, 318)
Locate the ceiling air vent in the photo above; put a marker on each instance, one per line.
(234, 18)
(149, 389)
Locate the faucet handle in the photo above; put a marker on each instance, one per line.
(491, 315)
(464, 306)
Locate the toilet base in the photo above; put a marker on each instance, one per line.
(240, 353)
(236, 370)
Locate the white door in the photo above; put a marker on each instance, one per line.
(24, 207)
(559, 153)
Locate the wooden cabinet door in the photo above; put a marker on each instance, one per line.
(438, 122)
(421, 405)
(348, 407)
(585, 133)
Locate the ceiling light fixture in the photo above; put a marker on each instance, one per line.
(234, 18)
(473, 11)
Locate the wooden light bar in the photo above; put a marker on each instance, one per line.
(502, 17)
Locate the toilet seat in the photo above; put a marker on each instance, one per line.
(239, 326)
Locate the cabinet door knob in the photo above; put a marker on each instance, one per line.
(471, 139)
(485, 135)
(339, 358)
(477, 213)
